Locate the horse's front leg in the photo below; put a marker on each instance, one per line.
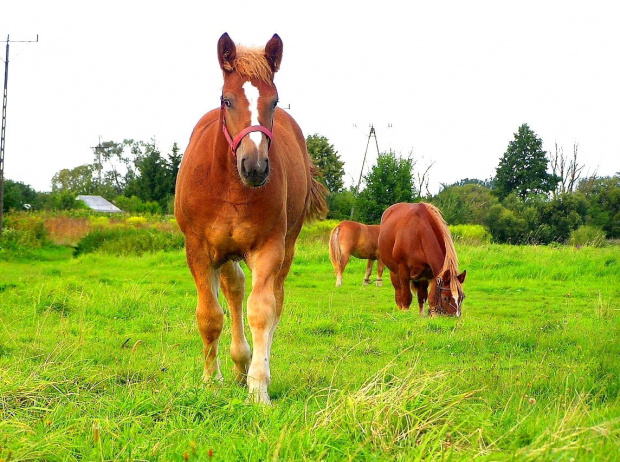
(263, 317)
(421, 289)
(233, 287)
(209, 314)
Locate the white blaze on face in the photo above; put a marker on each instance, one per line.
(251, 93)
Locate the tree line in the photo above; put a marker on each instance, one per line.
(534, 197)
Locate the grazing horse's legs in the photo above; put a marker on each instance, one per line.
(421, 288)
(380, 267)
(342, 264)
(233, 286)
(209, 314)
(402, 292)
(369, 266)
(262, 317)
(405, 289)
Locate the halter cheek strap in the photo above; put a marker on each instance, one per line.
(234, 143)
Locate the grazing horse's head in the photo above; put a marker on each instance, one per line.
(249, 100)
(447, 294)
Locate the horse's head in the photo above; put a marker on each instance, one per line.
(447, 294)
(249, 99)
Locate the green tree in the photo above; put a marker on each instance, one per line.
(78, 180)
(388, 182)
(603, 196)
(19, 196)
(523, 168)
(467, 201)
(326, 158)
(155, 175)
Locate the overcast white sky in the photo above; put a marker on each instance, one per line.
(449, 81)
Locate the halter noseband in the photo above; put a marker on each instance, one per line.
(437, 299)
(234, 143)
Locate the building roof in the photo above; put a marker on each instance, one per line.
(99, 204)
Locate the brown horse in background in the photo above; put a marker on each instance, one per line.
(416, 245)
(350, 238)
(244, 188)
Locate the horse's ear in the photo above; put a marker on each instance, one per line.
(461, 277)
(226, 52)
(273, 52)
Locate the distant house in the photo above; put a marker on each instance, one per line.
(99, 204)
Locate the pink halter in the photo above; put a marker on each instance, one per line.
(234, 144)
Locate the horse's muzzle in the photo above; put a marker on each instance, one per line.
(254, 173)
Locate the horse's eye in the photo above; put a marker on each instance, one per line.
(275, 103)
(226, 102)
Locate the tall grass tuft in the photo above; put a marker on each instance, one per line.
(414, 411)
(129, 241)
(587, 235)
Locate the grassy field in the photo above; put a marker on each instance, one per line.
(100, 359)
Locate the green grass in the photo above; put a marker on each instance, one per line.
(100, 359)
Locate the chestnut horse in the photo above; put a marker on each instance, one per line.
(350, 238)
(416, 246)
(244, 188)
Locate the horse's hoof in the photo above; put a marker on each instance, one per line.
(379, 283)
(258, 397)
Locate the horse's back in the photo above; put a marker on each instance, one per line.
(400, 234)
(358, 239)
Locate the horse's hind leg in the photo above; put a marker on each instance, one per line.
(342, 264)
(209, 314)
(369, 266)
(380, 267)
(233, 287)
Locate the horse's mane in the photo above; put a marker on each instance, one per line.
(251, 63)
(451, 261)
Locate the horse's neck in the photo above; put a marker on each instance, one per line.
(437, 253)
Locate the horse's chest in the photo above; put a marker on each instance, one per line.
(233, 240)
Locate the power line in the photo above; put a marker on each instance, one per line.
(3, 132)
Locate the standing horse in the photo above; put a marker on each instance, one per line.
(416, 246)
(244, 188)
(350, 238)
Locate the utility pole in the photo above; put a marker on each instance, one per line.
(3, 132)
(359, 181)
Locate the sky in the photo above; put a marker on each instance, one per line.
(447, 82)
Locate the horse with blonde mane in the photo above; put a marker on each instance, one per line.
(244, 188)
(416, 246)
(353, 239)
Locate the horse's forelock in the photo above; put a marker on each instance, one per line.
(251, 63)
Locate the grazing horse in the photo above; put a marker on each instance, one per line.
(244, 188)
(416, 246)
(351, 238)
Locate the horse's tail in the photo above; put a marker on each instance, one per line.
(316, 205)
(335, 254)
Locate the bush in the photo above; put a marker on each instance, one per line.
(127, 241)
(136, 221)
(587, 236)
(134, 204)
(24, 231)
(470, 234)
